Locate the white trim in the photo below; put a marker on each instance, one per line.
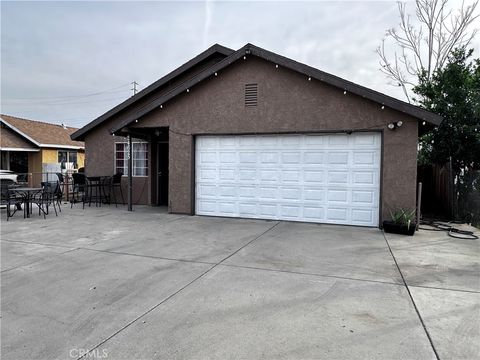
(7, 124)
(54, 146)
(18, 149)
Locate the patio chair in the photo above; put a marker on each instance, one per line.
(116, 183)
(9, 197)
(59, 190)
(79, 186)
(47, 197)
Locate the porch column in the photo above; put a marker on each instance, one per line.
(130, 170)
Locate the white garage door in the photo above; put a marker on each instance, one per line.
(314, 178)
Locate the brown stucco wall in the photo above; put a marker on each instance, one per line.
(10, 139)
(99, 144)
(99, 161)
(287, 102)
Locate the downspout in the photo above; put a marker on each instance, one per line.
(130, 170)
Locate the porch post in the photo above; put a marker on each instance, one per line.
(130, 170)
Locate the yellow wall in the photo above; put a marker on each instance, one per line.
(46, 156)
(81, 159)
(49, 156)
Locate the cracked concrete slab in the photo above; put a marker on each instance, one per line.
(198, 238)
(343, 251)
(78, 299)
(433, 259)
(55, 298)
(452, 319)
(15, 254)
(249, 314)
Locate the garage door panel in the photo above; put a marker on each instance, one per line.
(338, 178)
(316, 178)
(360, 216)
(291, 157)
(228, 157)
(314, 157)
(337, 215)
(269, 175)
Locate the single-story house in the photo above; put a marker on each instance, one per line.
(31, 148)
(249, 133)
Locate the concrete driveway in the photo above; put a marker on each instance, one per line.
(147, 284)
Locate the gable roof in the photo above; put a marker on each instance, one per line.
(252, 50)
(214, 50)
(42, 134)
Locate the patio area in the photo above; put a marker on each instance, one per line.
(148, 284)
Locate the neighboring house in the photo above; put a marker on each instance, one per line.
(34, 147)
(253, 134)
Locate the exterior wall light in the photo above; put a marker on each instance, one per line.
(393, 126)
(309, 78)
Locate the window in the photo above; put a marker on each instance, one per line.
(140, 157)
(67, 157)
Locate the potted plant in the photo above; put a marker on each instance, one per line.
(403, 222)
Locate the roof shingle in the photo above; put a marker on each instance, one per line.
(42, 132)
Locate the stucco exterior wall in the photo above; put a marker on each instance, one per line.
(287, 102)
(10, 139)
(49, 156)
(100, 161)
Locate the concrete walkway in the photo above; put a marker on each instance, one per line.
(147, 285)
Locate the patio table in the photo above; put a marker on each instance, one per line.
(95, 189)
(27, 194)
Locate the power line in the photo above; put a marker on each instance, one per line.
(64, 102)
(72, 96)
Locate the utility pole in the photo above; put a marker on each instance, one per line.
(134, 89)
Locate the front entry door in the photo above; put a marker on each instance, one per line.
(162, 173)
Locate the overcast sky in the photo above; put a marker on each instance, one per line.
(69, 62)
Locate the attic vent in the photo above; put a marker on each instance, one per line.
(251, 94)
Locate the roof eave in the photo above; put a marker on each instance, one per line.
(333, 80)
(21, 133)
(216, 48)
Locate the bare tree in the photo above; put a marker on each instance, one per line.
(425, 47)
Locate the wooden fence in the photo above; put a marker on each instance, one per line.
(438, 193)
